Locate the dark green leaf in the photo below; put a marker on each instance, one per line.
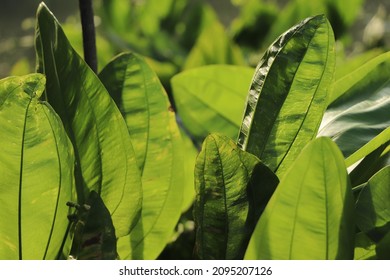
(287, 97)
(232, 189)
(93, 232)
(159, 149)
(36, 172)
(310, 215)
(373, 205)
(104, 153)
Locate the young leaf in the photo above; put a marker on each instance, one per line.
(211, 98)
(104, 153)
(159, 149)
(310, 215)
(232, 189)
(36, 172)
(287, 97)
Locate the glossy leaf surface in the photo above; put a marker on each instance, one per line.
(287, 97)
(310, 215)
(232, 189)
(151, 122)
(361, 111)
(36, 172)
(105, 158)
(211, 99)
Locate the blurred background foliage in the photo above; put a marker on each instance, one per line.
(178, 35)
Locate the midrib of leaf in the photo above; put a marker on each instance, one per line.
(59, 183)
(21, 181)
(310, 104)
(296, 211)
(226, 227)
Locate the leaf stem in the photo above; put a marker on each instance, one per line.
(89, 37)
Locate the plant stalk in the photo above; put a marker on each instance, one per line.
(89, 36)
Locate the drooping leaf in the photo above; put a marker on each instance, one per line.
(105, 159)
(211, 99)
(232, 189)
(287, 97)
(373, 205)
(36, 172)
(310, 215)
(360, 112)
(159, 149)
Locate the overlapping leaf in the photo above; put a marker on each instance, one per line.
(232, 189)
(104, 153)
(159, 150)
(210, 99)
(36, 172)
(310, 215)
(287, 97)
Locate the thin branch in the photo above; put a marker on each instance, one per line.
(89, 37)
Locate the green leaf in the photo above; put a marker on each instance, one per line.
(104, 153)
(370, 75)
(93, 232)
(232, 189)
(214, 47)
(36, 172)
(211, 99)
(379, 140)
(159, 149)
(287, 97)
(310, 215)
(360, 112)
(383, 248)
(373, 205)
(364, 247)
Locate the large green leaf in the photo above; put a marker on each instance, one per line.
(211, 99)
(288, 93)
(105, 158)
(232, 188)
(159, 149)
(310, 215)
(360, 112)
(373, 205)
(36, 172)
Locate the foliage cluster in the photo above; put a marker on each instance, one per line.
(103, 166)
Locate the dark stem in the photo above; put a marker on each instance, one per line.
(89, 38)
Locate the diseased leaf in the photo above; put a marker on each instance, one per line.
(105, 160)
(36, 172)
(287, 97)
(210, 99)
(232, 189)
(310, 215)
(151, 122)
